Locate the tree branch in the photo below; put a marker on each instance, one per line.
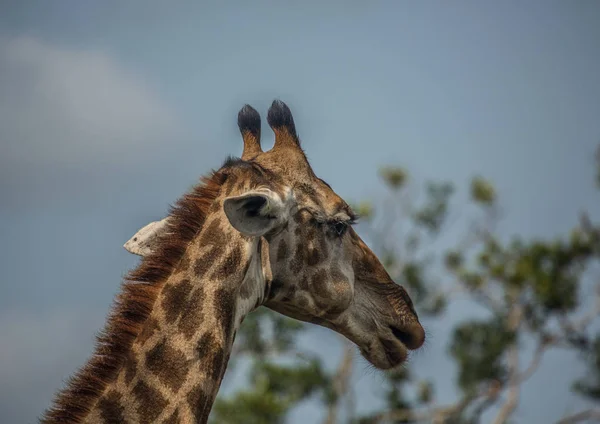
(582, 323)
(340, 383)
(487, 300)
(535, 362)
(514, 320)
(580, 416)
(440, 414)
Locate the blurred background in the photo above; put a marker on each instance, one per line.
(464, 132)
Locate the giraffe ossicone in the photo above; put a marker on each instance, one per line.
(262, 230)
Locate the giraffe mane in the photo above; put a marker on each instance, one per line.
(133, 304)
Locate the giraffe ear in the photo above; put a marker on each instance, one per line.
(144, 241)
(255, 213)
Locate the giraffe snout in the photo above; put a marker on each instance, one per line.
(411, 335)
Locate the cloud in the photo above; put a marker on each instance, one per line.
(68, 107)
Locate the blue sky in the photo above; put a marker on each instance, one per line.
(110, 110)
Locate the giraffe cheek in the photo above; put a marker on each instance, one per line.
(313, 257)
(335, 297)
(343, 294)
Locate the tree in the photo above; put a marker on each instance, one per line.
(540, 292)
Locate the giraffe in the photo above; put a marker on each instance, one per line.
(262, 230)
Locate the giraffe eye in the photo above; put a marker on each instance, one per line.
(340, 228)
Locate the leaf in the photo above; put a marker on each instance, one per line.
(482, 191)
(394, 177)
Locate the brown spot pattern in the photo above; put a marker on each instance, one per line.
(151, 402)
(289, 295)
(335, 309)
(168, 364)
(215, 238)
(323, 246)
(150, 327)
(318, 279)
(192, 314)
(130, 368)
(175, 299)
(230, 184)
(198, 401)
(218, 364)
(223, 303)
(111, 409)
(212, 355)
(363, 266)
(184, 264)
(207, 346)
(299, 259)
(304, 283)
(313, 257)
(212, 235)
(220, 234)
(338, 277)
(201, 266)
(301, 217)
(230, 264)
(174, 418)
(302, 302)
(282, 250)
(276, 286)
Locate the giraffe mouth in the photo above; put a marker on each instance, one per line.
(395, 344)
(411, 341)
(395, 353)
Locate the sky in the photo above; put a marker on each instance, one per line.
(111, 110)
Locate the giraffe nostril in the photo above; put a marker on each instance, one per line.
(412, 336)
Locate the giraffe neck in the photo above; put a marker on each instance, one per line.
(175, 366)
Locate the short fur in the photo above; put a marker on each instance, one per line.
(280, 116)
(134, 303)
(249, 121)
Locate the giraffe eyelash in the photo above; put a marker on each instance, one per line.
(320, 219)
(350, 220)
(340, 226)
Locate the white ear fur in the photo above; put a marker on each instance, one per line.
(256, 212)
(144, 241)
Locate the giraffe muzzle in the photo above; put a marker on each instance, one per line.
(412, 336)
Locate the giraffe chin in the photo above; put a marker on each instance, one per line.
(386, 353)
(395, 352)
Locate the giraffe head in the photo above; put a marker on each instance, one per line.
(316, 267)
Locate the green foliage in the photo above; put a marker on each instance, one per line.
(364, 210)
(425, 391)
(482, 191)
(394, 177)
(291, 383)
(255, 406)
(273, 388)
(589, 386)
(253, 339)
(396, 381)
(453, 260)
(433, 214)
(477, 347)
(413, 277)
